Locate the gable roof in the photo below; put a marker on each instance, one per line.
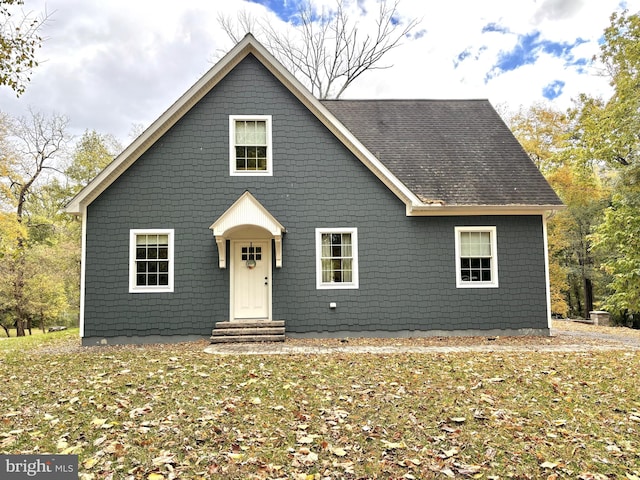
(448, 152)
(420, 182)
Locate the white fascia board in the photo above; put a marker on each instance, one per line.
(159, 127)
(467, 210)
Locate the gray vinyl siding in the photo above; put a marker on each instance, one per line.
(406, 264)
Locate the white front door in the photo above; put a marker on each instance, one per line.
(251, 282)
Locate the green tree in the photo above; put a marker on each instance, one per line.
(19, 41)
(92, 153)
(550, 139)
(612, 131)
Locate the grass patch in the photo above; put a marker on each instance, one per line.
(38, 339)
(158, 412)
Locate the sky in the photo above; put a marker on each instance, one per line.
(109, 65)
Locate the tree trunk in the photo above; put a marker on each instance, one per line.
(6, 330)
(578, 298)
(588, 297)
(18, 291)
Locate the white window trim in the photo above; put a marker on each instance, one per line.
(232, 147)
(133, 288)
(494, 258)
(320, 285)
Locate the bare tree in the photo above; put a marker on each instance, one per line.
(327, 49)
(36, 143)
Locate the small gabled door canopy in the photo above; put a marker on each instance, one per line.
(246, 212)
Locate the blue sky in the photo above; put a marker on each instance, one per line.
(109, 65)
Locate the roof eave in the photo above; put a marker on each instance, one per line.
(435, 210)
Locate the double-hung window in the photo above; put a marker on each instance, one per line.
(336, 258)
(476, 257)
(151, 261)
(250, 145)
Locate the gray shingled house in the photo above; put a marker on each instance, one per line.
(251, 206)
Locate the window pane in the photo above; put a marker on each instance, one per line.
(141, 280)
(326, 271)
(465, 249)
(261, 133)
(326, 248)
(164, 280)
(241, 137)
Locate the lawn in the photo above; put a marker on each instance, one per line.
(167, 412)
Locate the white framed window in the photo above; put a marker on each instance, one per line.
(336, 258)
(476, 257)
(250, 145)
(150, 260)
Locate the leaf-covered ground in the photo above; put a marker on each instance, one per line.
(173, 411)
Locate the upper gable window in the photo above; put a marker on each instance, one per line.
(250, 145)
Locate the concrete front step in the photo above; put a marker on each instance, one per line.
(249, 331)
(256, 331)
(246, 338)
(256, 324)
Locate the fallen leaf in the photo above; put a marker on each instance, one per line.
(338, 452)
(393, 445)
(451, 452)
(548, 465)
(90, 462)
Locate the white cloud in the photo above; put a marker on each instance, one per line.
(108, 65)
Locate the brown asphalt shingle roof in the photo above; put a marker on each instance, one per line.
(458, 152)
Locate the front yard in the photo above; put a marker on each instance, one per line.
(174, 412)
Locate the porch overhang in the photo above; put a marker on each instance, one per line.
(246, 212)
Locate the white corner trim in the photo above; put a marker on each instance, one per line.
(83, 268)
(547, 277)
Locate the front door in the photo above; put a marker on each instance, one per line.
(251, 284)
